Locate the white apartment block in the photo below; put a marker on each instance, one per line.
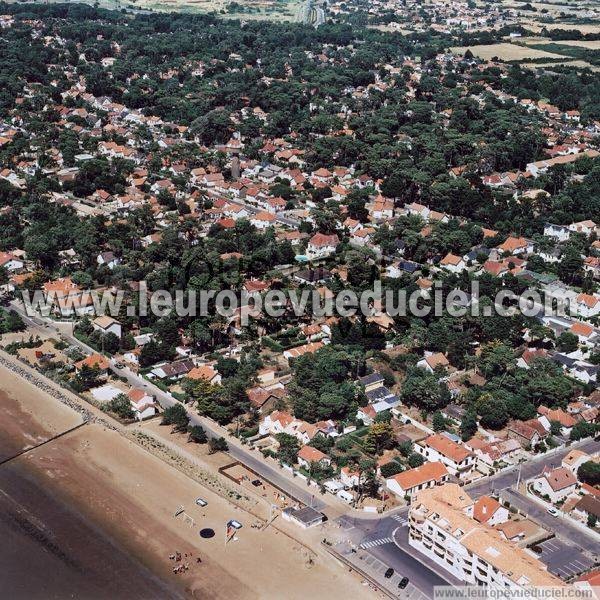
(475, 553)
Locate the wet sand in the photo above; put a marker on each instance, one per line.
(49, 550)
(91, 516)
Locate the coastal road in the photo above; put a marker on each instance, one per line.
(385, 538)
(249, 457)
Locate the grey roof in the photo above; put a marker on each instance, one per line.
(307, 515)
(380, 393)
(371, 378)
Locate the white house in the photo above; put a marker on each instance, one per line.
(321, 245)
(142, 403)
(558, 232)
(108, 259)
(575, 459)
(308, 455)
(106, 324)
(458, 460)
(488, 510)
(350, 478)
(408, 483)
(453, 263)
(10, 262)
(587, 305)
(432, 360)
(557, 484)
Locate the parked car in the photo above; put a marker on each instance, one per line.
(403, 583)
(388, 573)
(201, 502)
(553, 512)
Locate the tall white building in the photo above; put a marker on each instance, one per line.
(441, 528)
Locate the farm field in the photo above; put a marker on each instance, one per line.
(588, 44)
(273, 10)
(506, 51)
(577, 64)
(536, 26)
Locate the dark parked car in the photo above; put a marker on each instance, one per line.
(403, 583)
(388, 573)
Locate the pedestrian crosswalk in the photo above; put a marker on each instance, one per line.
(402, 520)
(373, 543)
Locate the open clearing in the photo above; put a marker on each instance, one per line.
(506, 51)
(589, 44)
(584, 28)
(271, 10)
(578, 64)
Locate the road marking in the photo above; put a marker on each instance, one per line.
(374, 543)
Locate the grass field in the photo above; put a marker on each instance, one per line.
(287, 10)
(272, 10)
(588, 44)
(506, 51)
(536, 26)
(576, 64)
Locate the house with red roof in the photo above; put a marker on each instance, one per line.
(307, 455)
(321, 245)
(489, 511)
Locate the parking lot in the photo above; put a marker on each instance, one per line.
(370, 565)
(563, 560)
(376, 569)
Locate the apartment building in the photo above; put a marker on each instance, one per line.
(438, 448)
(472, 551)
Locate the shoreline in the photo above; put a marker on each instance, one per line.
(96, 480)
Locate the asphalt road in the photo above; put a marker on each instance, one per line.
(238, 452)
(582, 539)
(376, 535)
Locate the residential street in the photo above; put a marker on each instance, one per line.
(385, 538)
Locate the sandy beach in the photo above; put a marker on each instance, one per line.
(106, 506)
(28, 417)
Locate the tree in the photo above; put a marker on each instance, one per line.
(87, 378)
(589, 472)
(468, 425)
(197, 434)
(555, 428)
(415, 460)
(439, 422)
(493, 412)
(390, 469)
(378, 438)
(121, 406)
(592, 520)
(424, 390)
(10, 321)
(288, 448)
(177, 416)
(406, 448)
(217, 445)
(567, 342)
(581, 430)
